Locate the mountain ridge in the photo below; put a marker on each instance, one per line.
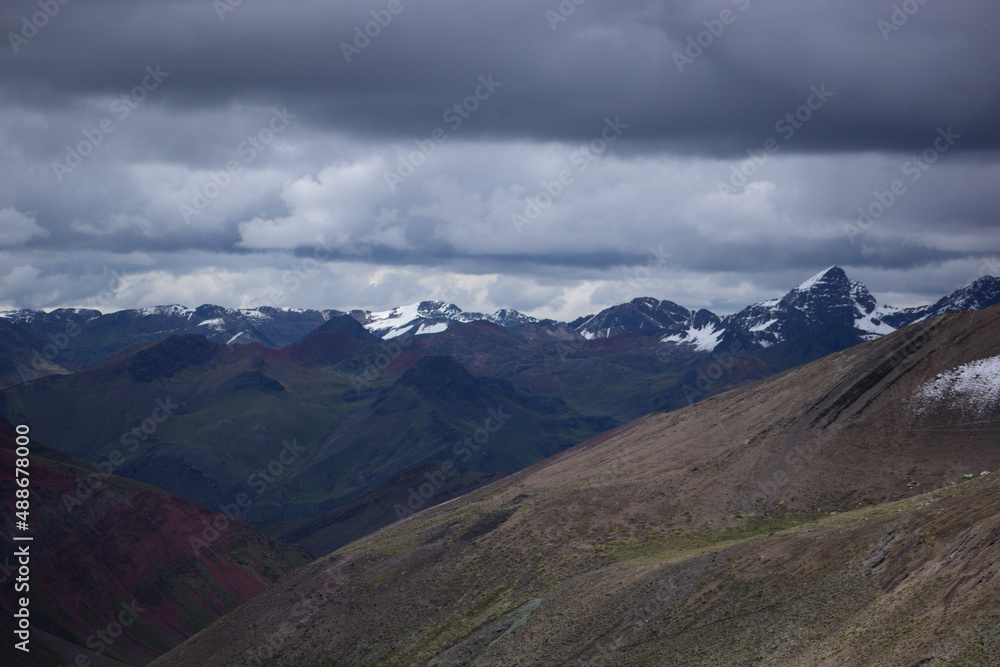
(828, 295)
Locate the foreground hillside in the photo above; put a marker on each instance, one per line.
(107, 549)
(810, 519)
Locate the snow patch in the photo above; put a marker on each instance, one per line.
(765, 326)
(216, 323)
(973, 388)
(704, 340)
(168, 310)
(254, 314)
(400, 314)
(432, 328)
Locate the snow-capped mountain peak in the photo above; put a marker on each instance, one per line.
(428, 317)
(832, 274)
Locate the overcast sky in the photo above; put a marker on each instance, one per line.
(713, 153)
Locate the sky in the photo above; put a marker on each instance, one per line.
(553, 157)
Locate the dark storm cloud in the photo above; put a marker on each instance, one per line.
(606, 58)
(692, 113)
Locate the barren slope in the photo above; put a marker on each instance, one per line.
(663, 544)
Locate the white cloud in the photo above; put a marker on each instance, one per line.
(17, 228)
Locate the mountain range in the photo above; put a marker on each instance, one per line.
(830, 304)
(542, 467)
(841, 512)
(376, 403)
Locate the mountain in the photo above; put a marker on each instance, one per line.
(829, 305)
(21, 354)
(356, 412)
(639, 315)
(840, 512)
(829, 311)
(978, 295)
(428, 317)
(75, 338)
(105, 549)
(338, 414)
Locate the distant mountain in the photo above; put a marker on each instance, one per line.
(827, 302)
(829, 311)
(638, 316)
(829, 305)
(428, 317)
(978, 295)
(345, 411)
(104, 334)
(71, 339)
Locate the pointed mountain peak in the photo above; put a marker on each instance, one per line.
(509, 317)
(831, 275)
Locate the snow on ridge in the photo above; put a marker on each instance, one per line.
(24, 315)
(233, 339)
(973, 388)
(399, 313)
(254, 314)
(173, 309)
(216, 323)
(808, 284)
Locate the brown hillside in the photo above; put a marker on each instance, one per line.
(703, 536)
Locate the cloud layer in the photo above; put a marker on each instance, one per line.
(535, 155)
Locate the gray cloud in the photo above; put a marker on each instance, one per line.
(690, 124)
